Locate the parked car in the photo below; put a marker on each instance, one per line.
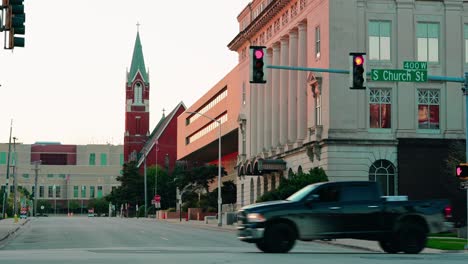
(333, 210)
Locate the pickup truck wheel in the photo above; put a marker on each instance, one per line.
(412, 239)
(279, 238)
(389, 246)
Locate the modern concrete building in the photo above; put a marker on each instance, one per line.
(66, 172)
(197, 135)
(396, 133)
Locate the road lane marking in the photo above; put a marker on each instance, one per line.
(164, 238)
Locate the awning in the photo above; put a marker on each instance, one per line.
(271, 165)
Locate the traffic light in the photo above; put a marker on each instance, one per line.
(357, 68)
(257, 68)
(462, 171)
(15, 23)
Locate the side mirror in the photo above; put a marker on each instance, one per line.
(311, 199)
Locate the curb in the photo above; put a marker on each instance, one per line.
(203, 226)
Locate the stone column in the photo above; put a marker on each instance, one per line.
(253, 119)
(302, 84)
(284, 92)
(267, 104)
(275, 98)
(292, 97)
(260, 116)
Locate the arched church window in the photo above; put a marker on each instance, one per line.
(138, 94)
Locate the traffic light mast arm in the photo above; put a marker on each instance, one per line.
(292, 68)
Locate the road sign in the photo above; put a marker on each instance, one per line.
(157, 198)
(383, 75)
(415, 65)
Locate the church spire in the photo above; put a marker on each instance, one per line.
(138, 62)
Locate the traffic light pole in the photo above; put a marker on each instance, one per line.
(465, 93)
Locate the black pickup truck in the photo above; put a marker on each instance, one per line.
(333, 210)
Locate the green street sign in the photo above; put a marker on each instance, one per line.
(382, 75)
(415, 65)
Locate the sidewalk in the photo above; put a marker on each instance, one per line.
(372, 246)
(9, 227)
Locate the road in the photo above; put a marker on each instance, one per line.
(114, 240)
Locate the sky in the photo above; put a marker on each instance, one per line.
(68, 83)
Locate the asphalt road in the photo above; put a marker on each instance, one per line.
(103, 240)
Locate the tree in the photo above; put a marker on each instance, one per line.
(295, 182)
(73, 206)
(131, 188)
(199, 177)
(100, 205)
(47, 206)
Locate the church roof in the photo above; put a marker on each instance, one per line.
(138, 62)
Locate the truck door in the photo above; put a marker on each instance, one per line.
(361, 208)
(323, 211)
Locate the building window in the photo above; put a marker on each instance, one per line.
(83, 191)
(50, 175)
(244, 95)
(99, 192)
(318, 109)
(92, 159)
(299, 170)
(380, 108)
(3, 158)
(62, 176)
(41, 191)
(252, 190)
(91, 191)
(428, 108)
(103, 159)
(75, 191)
(466, 43)
(57, 191)
(259, 190)
(317, 42)
(208, 128)
(383, 172)
(138, 91)
(428, 42)
(50, 191)
(379, 40)
(242, 194)
(25, 175)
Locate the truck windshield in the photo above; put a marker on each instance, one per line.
(299, 195)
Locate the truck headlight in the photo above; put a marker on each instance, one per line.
(255, 218)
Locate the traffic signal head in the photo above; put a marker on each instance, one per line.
(462, 171)
(257, 60)
(15, 23)
(357, 70)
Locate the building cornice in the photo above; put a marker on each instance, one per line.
(258, 23)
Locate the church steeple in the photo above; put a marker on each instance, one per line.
(138, 62)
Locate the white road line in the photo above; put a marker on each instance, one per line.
(164, 238)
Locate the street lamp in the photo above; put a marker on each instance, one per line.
(220, 223)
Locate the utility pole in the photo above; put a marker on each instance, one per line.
(36, 170)
(5, 194)
(146, 191)
(15, 182)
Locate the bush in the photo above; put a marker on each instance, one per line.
(172, 209)
(295, 182)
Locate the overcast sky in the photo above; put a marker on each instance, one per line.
(68, 83)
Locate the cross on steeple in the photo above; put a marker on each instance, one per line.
(164, 110)
(138, 26)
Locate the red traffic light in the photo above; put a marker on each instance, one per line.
(258, 54)
(358, 60)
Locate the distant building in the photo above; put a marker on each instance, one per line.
(66, 172)
(396, 133)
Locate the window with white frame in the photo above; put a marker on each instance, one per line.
(379, 40)
(317, 42)
(318, 109)
(428, 108)
(466, 43)
(380, 108)
(427, 35)
(138, 94)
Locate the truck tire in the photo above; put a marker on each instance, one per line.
(412, 238)
(389, 246)
(279, 238)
